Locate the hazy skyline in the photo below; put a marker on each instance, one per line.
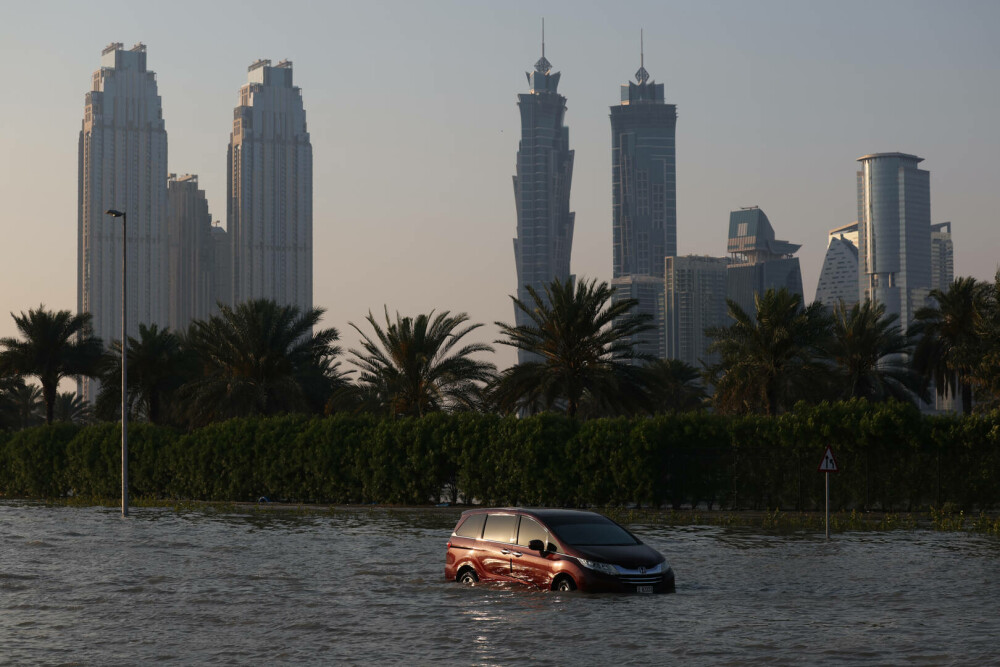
(414, 125)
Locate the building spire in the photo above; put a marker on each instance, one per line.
(642, 76)
(543, 65)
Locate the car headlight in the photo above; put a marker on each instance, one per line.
(603, 568)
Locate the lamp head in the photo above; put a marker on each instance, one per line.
(114, 214)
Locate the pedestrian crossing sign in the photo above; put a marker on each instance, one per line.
(828, 464)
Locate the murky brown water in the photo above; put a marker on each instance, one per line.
(81, 585)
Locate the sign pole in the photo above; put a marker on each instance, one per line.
(826, 466)
(827, 505)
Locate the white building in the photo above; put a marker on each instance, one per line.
(270, 190)
(838, 280)
(122, 166)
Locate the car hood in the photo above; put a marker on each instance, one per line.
(630, 556)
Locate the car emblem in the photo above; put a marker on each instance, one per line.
(642, 570)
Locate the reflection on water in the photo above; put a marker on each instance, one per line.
(365, 585)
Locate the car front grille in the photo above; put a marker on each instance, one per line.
(642, 579)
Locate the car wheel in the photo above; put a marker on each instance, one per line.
(468, 576)
(563, 584)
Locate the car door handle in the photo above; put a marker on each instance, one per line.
(505, 551)
(517, 554)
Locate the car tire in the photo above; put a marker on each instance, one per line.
(468, 576)
(564, 584)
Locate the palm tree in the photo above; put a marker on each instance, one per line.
(412, 366)
(257, 358)
(54, 345)
(70, 407)
(673, 386)
(872, 353)
(11, 386)
(949, 346)
(985, 376)
(770, 360)
(157, 367)
(581, 345)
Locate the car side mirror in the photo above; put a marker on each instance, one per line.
(537, 545)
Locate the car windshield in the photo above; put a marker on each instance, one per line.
(591, 531)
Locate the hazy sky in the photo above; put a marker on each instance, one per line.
(412, 111)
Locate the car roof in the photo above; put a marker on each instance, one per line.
(541, 513)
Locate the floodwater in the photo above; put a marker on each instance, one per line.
(84, 586)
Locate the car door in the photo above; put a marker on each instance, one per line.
(531, 566)
(494, 552)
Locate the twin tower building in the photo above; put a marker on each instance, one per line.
(180, 265)
(644, 194)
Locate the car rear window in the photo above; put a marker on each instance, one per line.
(589, 530)
(472, 526)
(500, 527)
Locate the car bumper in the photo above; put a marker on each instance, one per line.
(595, 582)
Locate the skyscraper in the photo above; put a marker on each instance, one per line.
(122, 166)
(838, 280)
(942, 257)
(644, 197)
(269, 216)
(759, 261)
(544, 239)
(894, 233)
(192, 255)
(695, 296)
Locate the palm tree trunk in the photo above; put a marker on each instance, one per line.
(49, 394)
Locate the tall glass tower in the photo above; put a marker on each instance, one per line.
(270, 190)
(122, 166)
(644, 200)
(894, 233)
(544, 239)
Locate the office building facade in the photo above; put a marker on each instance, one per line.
(644, 197)
(758, 261)
(894, 233)
(544, 240)
(191, 255)
(838, 279)
(269, 215)
(122, 166)
(695, 300)
(942, 257)
(648, 291)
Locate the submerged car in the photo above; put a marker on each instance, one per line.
(560, 550)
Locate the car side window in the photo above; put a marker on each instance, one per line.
(530, 530)
(472, 526)
(500, 527)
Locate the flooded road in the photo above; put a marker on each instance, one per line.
(81, 585)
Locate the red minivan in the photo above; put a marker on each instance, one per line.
(552, 549)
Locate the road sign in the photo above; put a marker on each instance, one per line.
(828, 464)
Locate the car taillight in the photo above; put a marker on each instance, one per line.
(449, 545)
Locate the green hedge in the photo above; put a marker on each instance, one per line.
(891, 457)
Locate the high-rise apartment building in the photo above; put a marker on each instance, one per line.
(894, 233)
(643, 196)
(759, 261)
(269, 216)
(192, 255)
(695, 300)
(544, 239)
(222, 268)
(838, 280)
(122, 166)
(942, 257)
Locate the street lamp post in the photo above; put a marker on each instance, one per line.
(121, 214)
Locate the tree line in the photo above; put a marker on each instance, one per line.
(259, 359)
